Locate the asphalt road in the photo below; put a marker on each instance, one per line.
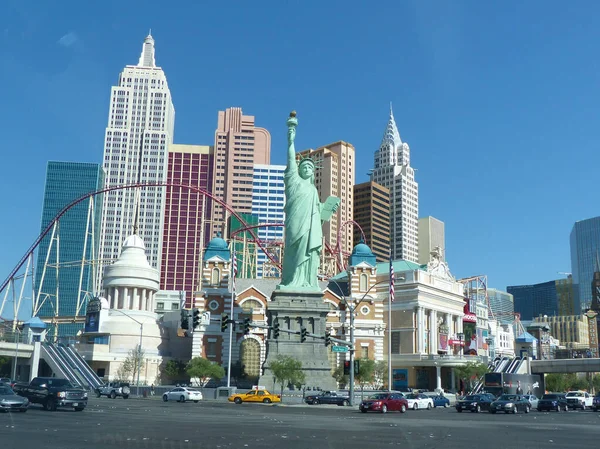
(152, 424)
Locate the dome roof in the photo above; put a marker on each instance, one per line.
(362, 253)
(217, 247)
(134, 241)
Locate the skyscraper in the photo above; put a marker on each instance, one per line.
(534, 300)
(268, 200)
(239, 144)
(372, 213)
(393, 170)
(139, 132)
(186, 229)
(335, 174)
(502, 305)
(431, 235)
(585, 247)
(65, 182)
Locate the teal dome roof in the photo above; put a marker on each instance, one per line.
(362, 253)
(217, 247)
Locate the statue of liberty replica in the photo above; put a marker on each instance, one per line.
(297, 303)
(304, 216)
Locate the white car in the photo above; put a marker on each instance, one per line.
(579, 399)
(182, 394)
(417, 401)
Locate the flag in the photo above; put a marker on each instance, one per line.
(391, 279)
(234, 267)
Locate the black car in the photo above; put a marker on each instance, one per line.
(327, 397)
(510, 403)
(553, 401)
(596, 403)
(474, 403)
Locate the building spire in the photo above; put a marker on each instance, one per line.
(147, 56)
(391, 134)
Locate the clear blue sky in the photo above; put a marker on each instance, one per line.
(498, 102)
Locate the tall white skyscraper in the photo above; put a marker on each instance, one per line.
(268, 200)
(140, 129)
(393, 171)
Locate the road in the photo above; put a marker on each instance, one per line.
(152, 424)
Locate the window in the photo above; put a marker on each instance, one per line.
(364, 352)
(249, 305)
(215, 276)
(175, 306)
(160, 306)
(364, 281)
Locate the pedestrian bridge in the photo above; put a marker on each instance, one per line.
(9, 349)
(566, 366)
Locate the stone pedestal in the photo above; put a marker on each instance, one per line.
(294, 310)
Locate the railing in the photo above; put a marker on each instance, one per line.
(13, 337)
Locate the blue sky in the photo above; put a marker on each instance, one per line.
(498, 102)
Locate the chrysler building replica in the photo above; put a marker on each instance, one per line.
(139, 132)
(393, 171)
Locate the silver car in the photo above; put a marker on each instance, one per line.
(533, 400)
(9, 401)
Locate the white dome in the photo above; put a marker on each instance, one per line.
(134, 241)
(132, 269)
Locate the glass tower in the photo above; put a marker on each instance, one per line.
(268, 200)
(65, 182)
(502, 305)
(585, 247)
(534, 300)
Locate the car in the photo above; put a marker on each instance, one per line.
(327, 397)
(182, 394)
(256, 395)
(384, 402)
(419, 401)
(579, 399)
(510, 403)
(533, 400)
(10, 401)
(474, 403)
(596, 402)
(114, 389)
(53, 393)
(441, 401)
(553, 401)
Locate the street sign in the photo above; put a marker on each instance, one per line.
(339, 348)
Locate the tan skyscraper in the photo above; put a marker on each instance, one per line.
(335, 176)
(431, 235)
(372, 213)
(238, 146)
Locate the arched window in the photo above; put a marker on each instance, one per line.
(215, 277)
(250, 357)
(250, 304)
(363, 283)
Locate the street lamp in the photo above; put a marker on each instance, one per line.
(352, 310)
(460, 336)
(139, 358)
(14, 373)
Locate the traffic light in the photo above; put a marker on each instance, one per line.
(346, 367)
(185, 319)
(327, 339)
(356, 367)
(303, 334)
(246, 326)
(195, 318)
(275, 330)
(224, 322)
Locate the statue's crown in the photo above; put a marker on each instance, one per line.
(308, 160)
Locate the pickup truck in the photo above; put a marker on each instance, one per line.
(579, 399)
(52, 392)
(327, 397)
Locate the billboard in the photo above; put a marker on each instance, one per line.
(92, 315)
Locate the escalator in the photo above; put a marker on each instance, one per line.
(518, 365)
(70, 360)
(93, 380)
(502, 365)
(59, 366)
(513, 365)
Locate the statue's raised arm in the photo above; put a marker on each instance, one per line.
(292, 122)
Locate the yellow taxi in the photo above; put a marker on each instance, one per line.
(255, 395)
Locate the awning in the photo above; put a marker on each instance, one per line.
(470, 318)
(456, 342)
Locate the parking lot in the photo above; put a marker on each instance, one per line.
(151, 423)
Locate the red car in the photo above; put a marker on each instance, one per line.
(384, 402)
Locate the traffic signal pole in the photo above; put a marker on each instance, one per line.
(230, 340)
(351, 391)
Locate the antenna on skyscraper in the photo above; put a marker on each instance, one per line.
(136, 210)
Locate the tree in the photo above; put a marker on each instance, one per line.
(366, 375)
(556, 382)
(471, 372)
(339, 375)
(174, 370)
(132, 364)
(596, 383)
(204, 370)
(287, 370)
(380, 375)
(4, 366)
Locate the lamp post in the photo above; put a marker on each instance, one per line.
(352, 310)
(14, 373)
(460, 336)
(139, 354)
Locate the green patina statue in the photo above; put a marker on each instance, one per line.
(304, 216)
